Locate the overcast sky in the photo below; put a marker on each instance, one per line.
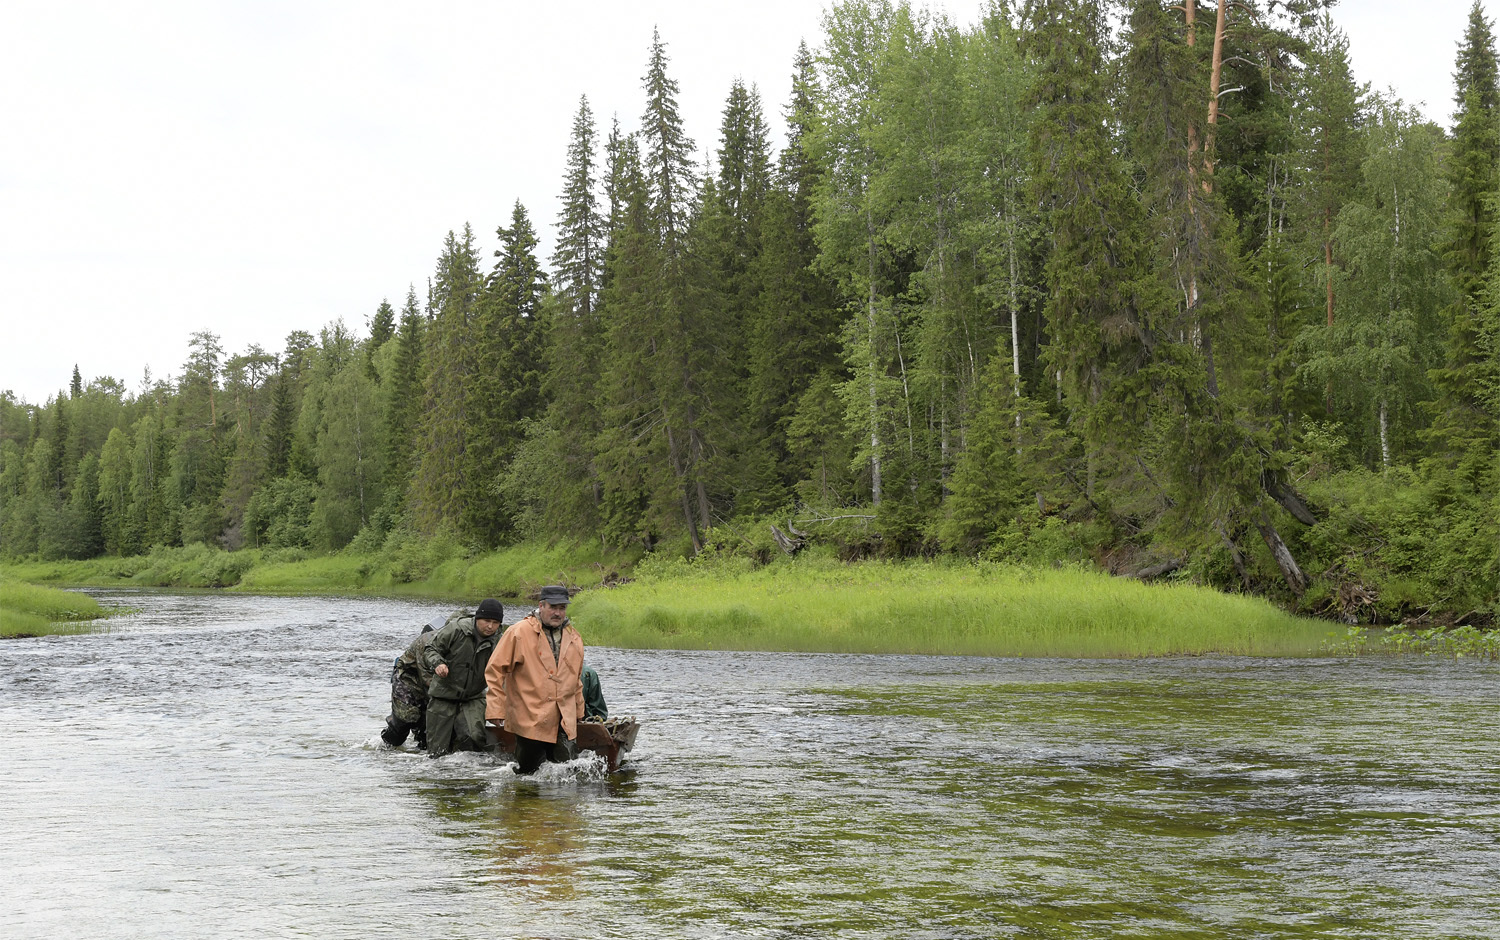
(258, 167)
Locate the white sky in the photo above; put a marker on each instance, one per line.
(255, 167)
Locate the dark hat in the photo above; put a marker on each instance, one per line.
(554, 594)
(489, 609)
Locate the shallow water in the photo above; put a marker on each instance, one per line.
(211, 767)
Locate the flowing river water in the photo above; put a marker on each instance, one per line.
(211, 767)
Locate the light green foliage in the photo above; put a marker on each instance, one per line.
(351, 459)
(280, 514)
(1387, 332)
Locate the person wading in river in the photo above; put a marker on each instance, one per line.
(457, 656)
(409, 683)
(535, 689)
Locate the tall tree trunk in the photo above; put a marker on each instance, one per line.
(1214, 79)
(874, 365)
(1190, 20)
(1385, 440)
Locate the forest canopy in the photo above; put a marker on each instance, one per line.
(1151, 285)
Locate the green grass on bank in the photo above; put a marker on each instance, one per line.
(33, 609)
(813, 603)
(429, 569)
(819, 605)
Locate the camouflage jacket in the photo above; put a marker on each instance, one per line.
(411, 669)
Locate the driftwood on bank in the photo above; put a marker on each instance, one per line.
(1158, 569)
(790, 544)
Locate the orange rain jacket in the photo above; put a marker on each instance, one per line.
(529, 690)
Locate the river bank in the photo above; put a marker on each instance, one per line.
(814, 603)
(34, 610)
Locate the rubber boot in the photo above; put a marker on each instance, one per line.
(395, 732)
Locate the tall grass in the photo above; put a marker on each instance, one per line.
(33, 609)
(915, 607)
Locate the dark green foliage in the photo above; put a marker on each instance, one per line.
(507, 379)
(441, 479)
(1032, 289)
(404, 393)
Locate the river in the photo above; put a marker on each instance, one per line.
(211, 767)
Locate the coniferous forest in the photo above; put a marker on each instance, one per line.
(1152, 285)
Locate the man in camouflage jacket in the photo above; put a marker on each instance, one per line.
(409, 681)
(457, 656)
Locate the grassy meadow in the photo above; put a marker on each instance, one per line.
(819, 605)
(30, 609)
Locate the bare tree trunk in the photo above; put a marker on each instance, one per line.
(1295, 579)
(1190, 20)
(1214, 79)
(1385, 440)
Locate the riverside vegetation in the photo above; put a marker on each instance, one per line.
(813, 603)
(1158, 293)
(31, 610)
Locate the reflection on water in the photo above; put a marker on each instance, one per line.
(211, 767)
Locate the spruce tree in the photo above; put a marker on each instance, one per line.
(668, 153)
(1465, 414)
(578, 259)
(403, 397)
(440, 484)
(506, 386)
(559, 489)
(792, 326)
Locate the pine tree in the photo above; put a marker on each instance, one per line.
(75, 388)
(728, 236)
(578, 260)
(382, 328)
(1465, 418)
(1332, 119)
(668, 154)
(440, 485)
(633, 480)
(278, 433)
(792, 326)
(404, 396)
(554, 481)
(507, 382)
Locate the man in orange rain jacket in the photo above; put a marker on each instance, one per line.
(534, 687)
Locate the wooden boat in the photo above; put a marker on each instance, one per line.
(609, 739)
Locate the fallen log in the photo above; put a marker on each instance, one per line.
(1158, 569)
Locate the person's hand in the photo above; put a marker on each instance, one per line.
(441, 671)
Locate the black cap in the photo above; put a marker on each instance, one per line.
(489, 609)
(554, 594)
